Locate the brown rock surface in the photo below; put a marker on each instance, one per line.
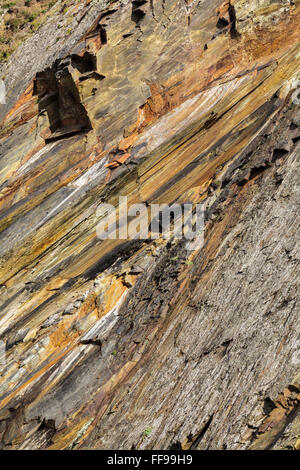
(161, 101)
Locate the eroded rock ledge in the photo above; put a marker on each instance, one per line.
(161, 101)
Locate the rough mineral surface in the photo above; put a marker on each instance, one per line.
(142, 344)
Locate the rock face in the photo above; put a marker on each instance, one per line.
(121, 344)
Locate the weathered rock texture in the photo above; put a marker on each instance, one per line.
(162, 101)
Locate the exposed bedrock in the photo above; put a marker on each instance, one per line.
(142, 344)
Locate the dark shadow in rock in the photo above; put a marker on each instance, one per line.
(137, 14)
(232, 17)
(59, 98)
(268, 406)
(222, 23)
(175, 446)
(86, 63)
(278, 153)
